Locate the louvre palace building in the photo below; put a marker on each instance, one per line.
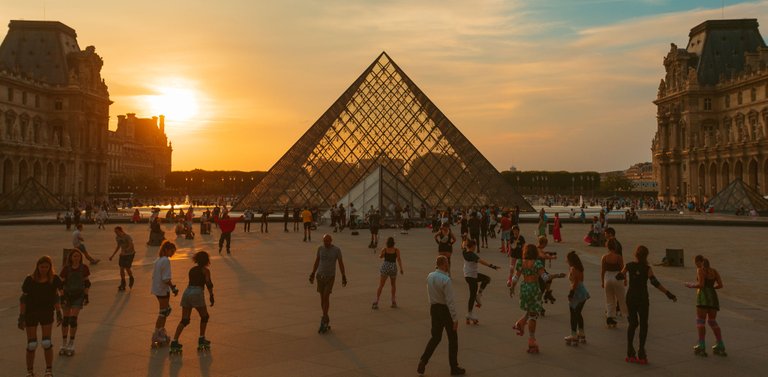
(712, 113)
(54, 116)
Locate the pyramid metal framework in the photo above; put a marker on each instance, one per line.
(30, 196)
(385, 191)
(738, 195)
(384, 119)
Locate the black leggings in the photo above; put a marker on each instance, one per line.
(577, 321)
(638, 316)
(484, 281)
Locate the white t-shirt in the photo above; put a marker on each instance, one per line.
(76, 239)
(160, 274)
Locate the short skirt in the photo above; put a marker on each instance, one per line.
(388, 269)
(193, 297)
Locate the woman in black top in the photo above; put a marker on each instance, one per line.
(515, 251)
(193, 297)
(445, 241)
(39, 299)
(639, 274)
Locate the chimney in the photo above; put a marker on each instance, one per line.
(162, 124)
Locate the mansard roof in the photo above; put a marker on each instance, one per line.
(39, 49)
(720, 46)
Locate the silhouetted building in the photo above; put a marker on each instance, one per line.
(139, 148)
(54, 112)
(712, 113)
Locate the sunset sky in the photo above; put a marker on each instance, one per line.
(538, 84)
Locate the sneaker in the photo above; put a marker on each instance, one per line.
(457, 371)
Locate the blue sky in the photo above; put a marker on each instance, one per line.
(542, 85)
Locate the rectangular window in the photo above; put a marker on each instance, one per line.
(58, 105)
(753, 94)
(707, 103)
(739, 98)
(10, 94)
(37, 100)
(24, 98)
(727, 101)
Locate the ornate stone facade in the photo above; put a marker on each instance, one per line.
(139, 149)
(712, 113)
(54, 112)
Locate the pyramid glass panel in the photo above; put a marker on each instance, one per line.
(383, 120)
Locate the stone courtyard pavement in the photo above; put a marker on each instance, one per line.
(266, 315)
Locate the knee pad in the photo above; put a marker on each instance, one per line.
(712, 323)
(73, 322)
(165, 312)
(46, 343)
(31, 344)
(184, 322)
(204, 319)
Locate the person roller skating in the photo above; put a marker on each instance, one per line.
(162, 287)
(530, 268)
(473, 277)
(577, 297)
(75, 284)
(639, 273)
(707, 305)
(610, 264)
(127, 253)
(546, 286)
(391, 256)
(37, 304)
(324, 270)
(194, 297)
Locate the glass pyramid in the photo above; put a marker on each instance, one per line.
(738, 195)
(383, 190)
(383, 119)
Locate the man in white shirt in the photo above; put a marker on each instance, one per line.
(443, 313)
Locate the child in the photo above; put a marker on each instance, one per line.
(75, 285)
(193, 297)
(39, 299)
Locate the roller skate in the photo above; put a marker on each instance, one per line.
(520, 327)
(203, 344)
(63, 350)
(471, 319)
(121, 287)
(631, 356)
(572, 340)
(131, 280)
(582, 337)
(478, 298)
(533, 347)
(700, 349)
(642, 358)
(610, 322)
(719, 349)
(48, 372)
(30, 373)
(548, 297)
(160, 338)
(175, 348)
(324, 325)
(394, 305)
(69, 349)
(375, 306)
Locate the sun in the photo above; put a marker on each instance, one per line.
(179, 103)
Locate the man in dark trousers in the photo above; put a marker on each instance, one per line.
(227, 226)
(443, 313)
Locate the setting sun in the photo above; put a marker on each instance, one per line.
(177, 102)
